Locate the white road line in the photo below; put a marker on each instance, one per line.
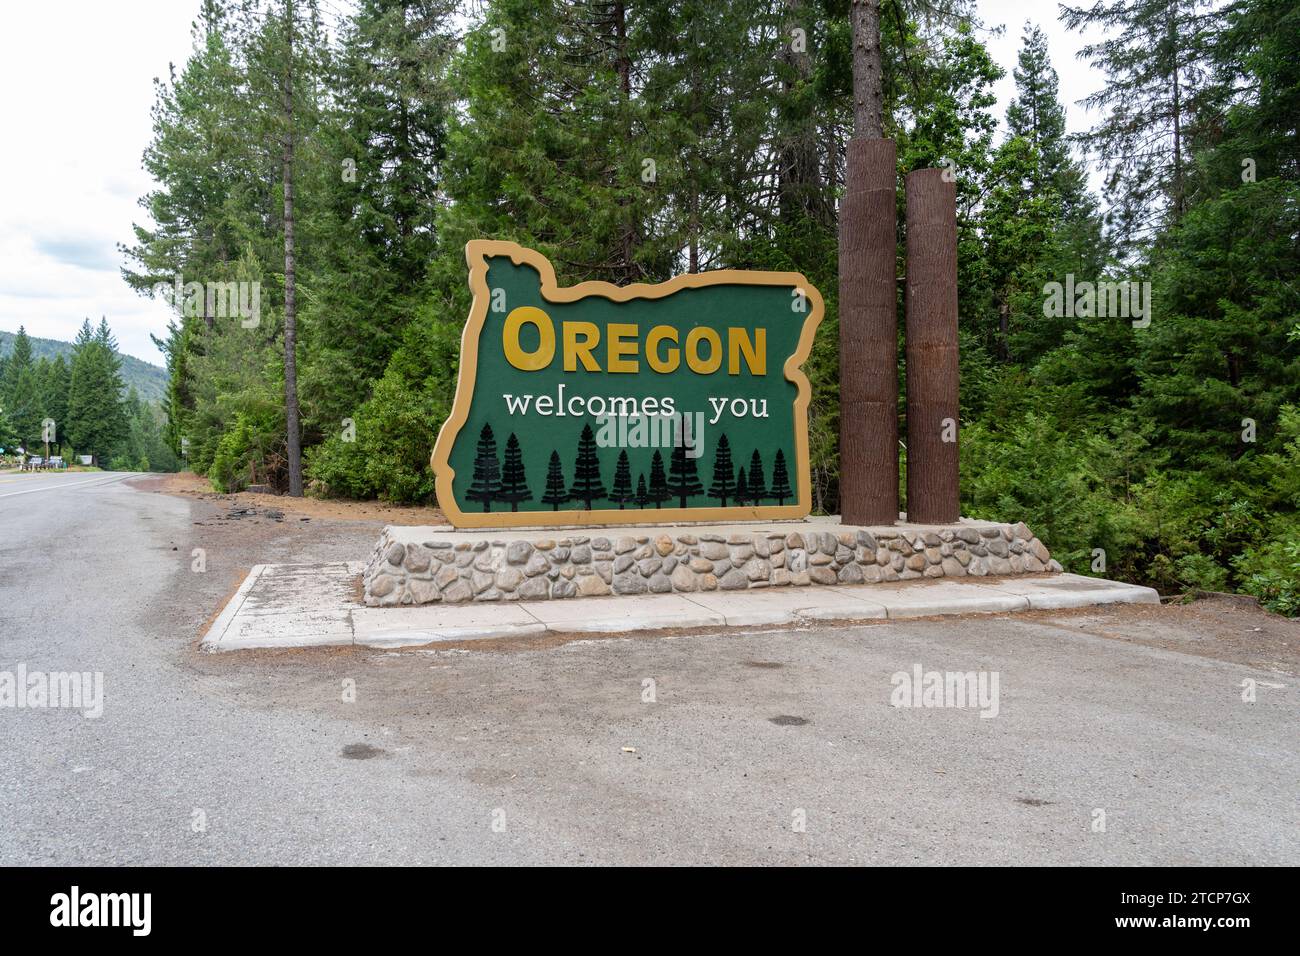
(92, 482)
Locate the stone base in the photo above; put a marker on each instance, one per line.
(421, 565)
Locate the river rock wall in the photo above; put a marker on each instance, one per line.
(424, 565)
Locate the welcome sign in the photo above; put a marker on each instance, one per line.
(600, 404)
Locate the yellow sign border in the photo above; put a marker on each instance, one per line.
(477, 253)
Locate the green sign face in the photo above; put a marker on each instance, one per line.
(600, 404)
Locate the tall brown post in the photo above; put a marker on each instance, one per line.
(869, 335)
(932, 370)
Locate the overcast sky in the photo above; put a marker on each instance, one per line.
(76, 86)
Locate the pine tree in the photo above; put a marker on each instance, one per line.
(205, 160)
(8, 435)
(55, 379)
(20, 391)
(1219, 351)
(395, 99)
(780, 489)
(145, 448)
(1039, 221)
(487, 470)
(1037, 115)
(96, 416)
(381, 186)
(757, 484)
(286, 64)
(683, 478)
(743, 494)
(19, 360)
(556, 492)
(26, 410)
(288, 97)
(587, 486)
(1155, 58)
(659, 492)
(1261, 44)
(642, 495)
(622, 490)
(514, 484)
(724, 475)
(569, 175)
(225, 155)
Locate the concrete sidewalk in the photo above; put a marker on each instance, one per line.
(316, 605)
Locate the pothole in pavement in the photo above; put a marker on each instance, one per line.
(788, 720)
(361, 752)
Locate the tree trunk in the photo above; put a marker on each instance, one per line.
(868, 71)
(1178, 115)
(800, 180)
(932, 370)
(868, 294)
(1004, 326)
(623, 66)
(693, 264)
(292, 426)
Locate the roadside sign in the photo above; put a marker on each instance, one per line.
(601, 404)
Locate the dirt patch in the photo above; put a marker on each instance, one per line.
(240, 577)
(238, 531)
(1234, 629)
(186, 484)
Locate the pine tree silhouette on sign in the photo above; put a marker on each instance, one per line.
(587, 486)
(487, 470)
(742, 487)
(556, 492)
(683, 478)
(659, 492)
(724, 473)
(780, 489)
(622, 490)
(642, 496)
(757, 492)
(514, 485)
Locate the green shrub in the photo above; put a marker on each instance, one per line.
(1034, 471)
(397, 426)
(257, 436)
(1271, 571)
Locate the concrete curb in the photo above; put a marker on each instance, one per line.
(217, 632)
(312, 606)
(1080, 592)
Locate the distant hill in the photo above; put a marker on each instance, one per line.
(149, 381)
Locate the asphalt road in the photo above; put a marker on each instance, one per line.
(553, 753)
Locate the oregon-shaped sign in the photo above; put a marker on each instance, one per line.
(638, 404)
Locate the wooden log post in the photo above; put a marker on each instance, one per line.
(869, 335)
(932, 369)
